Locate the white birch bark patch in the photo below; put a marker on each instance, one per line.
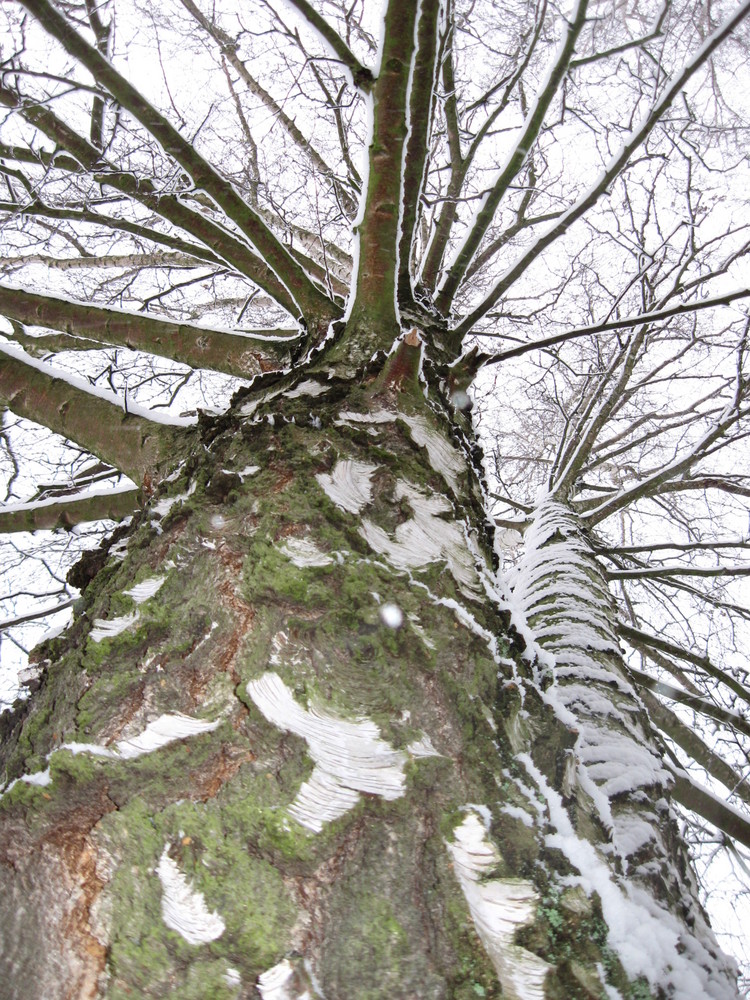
(303, 552)
(307, 388)
(350, 757)
(444, 458)
(277, 983)
(157, 734)
(162, 507)
(425, 538)
(349, 484)
(108, 628)
(183, 909)
(499, 908)
(145, 590)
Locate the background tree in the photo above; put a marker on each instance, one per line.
(301, 738)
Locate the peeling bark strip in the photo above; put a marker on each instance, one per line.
(235, 353)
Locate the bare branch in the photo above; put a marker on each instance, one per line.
(169, 207)
(111, 505)
(236, 353)
(613, 169)
(515, 161)
(639, 640)
(689, 741)
(361, 76)
(702, 705)
(312, 302)
(130, 443)
(721, 815)
(614, 324)
(676, 569)
(229, 51)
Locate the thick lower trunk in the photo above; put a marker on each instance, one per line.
(287, 748)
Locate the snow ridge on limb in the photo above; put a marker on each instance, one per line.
(93, 417)
(559, 590)
(235, 352)
(422, 79)
(65, 512)
(649, 940)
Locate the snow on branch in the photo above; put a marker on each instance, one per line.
(311, 301)
(612, 170)
(233, 351)
(657, 315)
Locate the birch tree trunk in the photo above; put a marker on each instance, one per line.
(293, 747)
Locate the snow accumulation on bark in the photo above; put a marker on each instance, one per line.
(108, 628)
(303, 552)
(184, 909)
(145, 590)
(350, 757)
(562, 596)
(561, 601)
(160, 416)
(648, 939)
(499, 908)
(380, 605)
(443, 456)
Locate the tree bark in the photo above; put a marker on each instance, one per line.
(290, 742)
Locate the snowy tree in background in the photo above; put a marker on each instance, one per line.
(343, 709)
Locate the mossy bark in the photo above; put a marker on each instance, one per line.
(270, 561)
